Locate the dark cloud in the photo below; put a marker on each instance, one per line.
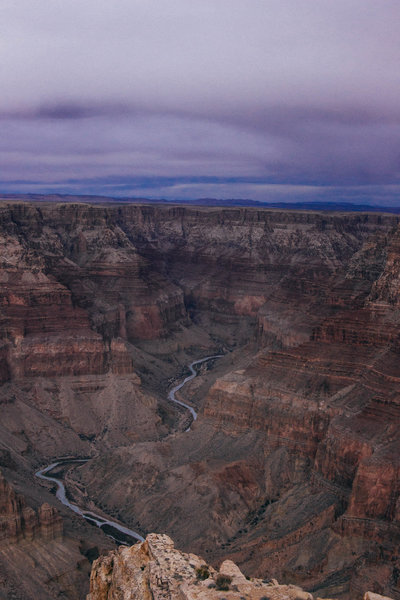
(229, 98)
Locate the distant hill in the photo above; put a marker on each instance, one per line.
(313, 206)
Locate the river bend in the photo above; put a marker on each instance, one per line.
(116, 531)
(171, 394)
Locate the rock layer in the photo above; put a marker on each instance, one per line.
(292, 467)
(19, 521)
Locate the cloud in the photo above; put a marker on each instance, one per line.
(275, 92)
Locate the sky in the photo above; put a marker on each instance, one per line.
(273, 100)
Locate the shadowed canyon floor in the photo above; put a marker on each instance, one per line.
(292, 468)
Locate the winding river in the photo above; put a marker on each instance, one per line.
(118, 532)
(111, 528)
(171, 395)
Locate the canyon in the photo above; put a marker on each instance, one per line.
(292, 467)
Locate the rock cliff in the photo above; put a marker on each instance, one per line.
(292, 467)
(19, 521)
(39, 557)
(155, 569)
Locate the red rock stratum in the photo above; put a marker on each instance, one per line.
(292, 468)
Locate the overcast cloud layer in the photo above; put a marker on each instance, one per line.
(265, 99)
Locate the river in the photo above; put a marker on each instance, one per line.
(118, 532)
(110, 527)
(171, 395)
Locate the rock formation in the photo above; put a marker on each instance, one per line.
(155, 569)
(19, 521)
(292, 468)
(38, 558)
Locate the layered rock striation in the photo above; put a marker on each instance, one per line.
(296, 456)
(21, 522)
(292, 467)
(138, 272)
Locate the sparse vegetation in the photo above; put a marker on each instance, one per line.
(202, 572)
(223, 582)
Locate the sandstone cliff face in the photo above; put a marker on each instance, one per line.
(40, 326)
(139, 271)
(292, 467)
(19, 521)
(334, 400)
(41, 556)
(312, 496)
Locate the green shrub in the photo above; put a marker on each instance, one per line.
(202, 572)
(222, 582)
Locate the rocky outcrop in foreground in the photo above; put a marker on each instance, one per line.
(155, 569)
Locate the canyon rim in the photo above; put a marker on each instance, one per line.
(291, 468)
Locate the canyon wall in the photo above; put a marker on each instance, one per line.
(19, 521)
(139, 272)
(39, 558)
(292, 468)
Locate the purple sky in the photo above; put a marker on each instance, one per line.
(273, 100)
